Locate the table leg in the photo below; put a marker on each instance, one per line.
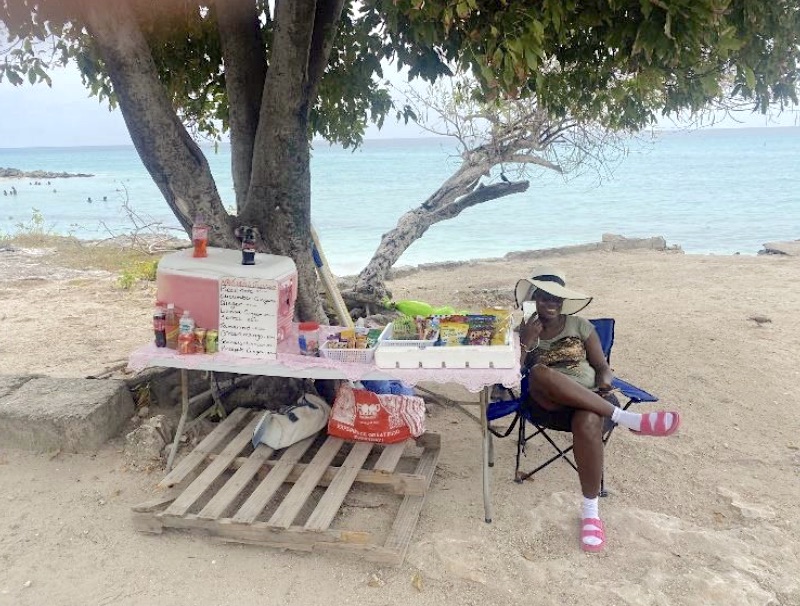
(487, 498)
(182, 421)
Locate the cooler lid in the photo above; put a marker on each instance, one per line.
(224, 262)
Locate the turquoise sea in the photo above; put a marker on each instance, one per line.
(710, 191)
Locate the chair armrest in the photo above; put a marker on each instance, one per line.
(632, 392)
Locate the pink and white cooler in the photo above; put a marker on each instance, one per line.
(193, 283)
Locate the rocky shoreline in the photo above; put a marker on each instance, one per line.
(15, 173)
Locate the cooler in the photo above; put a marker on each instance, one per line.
(193, 283)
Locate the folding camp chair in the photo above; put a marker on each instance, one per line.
(522, 414)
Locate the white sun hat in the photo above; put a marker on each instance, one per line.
(553, 282)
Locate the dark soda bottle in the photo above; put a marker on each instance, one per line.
(160, 326)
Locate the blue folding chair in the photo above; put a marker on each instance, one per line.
(518, 406)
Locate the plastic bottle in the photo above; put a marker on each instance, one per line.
(171, 326)
(308, 338)
(186, 334)
(200, 237)
(159, 325)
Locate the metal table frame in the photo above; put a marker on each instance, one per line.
(168, 359)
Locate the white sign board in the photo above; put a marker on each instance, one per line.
(248, 318)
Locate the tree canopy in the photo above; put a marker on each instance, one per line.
(274, 73)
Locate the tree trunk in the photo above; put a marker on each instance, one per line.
(245, 72)
(173, 159)
(455, 195)
(279, 196)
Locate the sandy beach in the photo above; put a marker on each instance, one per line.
(706, 517)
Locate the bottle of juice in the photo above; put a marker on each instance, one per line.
(171, 325)
(186, 334)
(200, 237)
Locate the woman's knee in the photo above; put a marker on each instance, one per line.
(587, 424)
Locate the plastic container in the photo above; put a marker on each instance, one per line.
(354, 356)
(409, 354)
(308, 338)
(200, 237)
(194, 283)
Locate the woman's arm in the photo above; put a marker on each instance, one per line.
(597, 359)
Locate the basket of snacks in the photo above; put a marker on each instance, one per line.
(353, 345)
(411, 332)
(470, 340)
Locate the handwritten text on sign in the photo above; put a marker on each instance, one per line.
(248, 322)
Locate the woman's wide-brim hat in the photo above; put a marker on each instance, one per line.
(553, 282)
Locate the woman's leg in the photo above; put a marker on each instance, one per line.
(552, 389)
(587, 437)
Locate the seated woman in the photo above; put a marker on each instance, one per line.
(570, 386)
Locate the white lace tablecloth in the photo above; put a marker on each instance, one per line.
(290, 363)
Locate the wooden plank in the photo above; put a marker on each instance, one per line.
(408, 514)
(256, 502)
(223, 499)
(390, 457)
(196, 489)
(331, 501)
(158, 502)
(293, 503)
(198, 455)
(401, 483)
(263, 531)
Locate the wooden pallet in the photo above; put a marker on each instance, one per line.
(293, 498)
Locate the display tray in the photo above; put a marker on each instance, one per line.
(356, 356)
(395, 354)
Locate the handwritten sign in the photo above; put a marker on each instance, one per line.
(248, 320)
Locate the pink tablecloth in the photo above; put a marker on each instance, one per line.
(291, 364)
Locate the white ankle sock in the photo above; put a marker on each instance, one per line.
(633, 420)
(590, 511)
(590, 508)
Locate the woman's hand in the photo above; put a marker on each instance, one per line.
(529, 332)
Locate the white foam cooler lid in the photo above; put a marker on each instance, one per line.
(224, 262)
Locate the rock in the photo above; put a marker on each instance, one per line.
(790, 248)
(47, 414)
(145, 444)
(751, 511)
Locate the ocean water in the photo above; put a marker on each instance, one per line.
(710, 191)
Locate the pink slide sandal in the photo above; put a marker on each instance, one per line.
(655, 424)
(592, 528)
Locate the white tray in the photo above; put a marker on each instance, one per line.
(461, 356)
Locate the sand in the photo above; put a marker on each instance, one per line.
(708, 516)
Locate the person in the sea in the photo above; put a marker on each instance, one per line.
(570, 386)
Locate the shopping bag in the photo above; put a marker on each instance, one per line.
(364, 416)
(298, 422)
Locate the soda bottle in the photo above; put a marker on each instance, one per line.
(171, 325)
(186, 333)
(159, 325)
(200, 237)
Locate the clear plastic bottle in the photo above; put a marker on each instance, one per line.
(186, 334)
(200, 236)
(171, 325)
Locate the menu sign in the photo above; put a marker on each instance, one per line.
(248, 317)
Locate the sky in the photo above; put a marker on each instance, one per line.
(66, 116)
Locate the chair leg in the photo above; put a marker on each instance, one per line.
(603, 491)
(520, 446)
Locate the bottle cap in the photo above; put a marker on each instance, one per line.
(308, 326)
